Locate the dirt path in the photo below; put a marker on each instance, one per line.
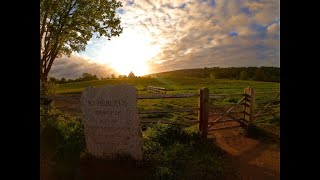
(69, 103)
(253, 159)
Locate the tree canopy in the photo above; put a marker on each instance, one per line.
(269, 74)
(67, 25)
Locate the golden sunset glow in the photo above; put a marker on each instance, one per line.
(161, 36)
(130, 52)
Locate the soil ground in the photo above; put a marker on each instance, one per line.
(251, 158)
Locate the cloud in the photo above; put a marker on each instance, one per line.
(130, 3)
(273, 28)
(197, 33)
(225, 34)
(74, 66)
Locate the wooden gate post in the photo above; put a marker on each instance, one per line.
(249, 105)
(203, 111)
(200, 109)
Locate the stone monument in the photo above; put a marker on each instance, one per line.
(111, 121)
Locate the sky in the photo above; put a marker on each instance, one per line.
(165, 35)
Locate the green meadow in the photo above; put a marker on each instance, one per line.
(175, 85)
(265, 91)
(170, 151)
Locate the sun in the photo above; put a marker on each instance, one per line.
(131, 51)
(125, 67)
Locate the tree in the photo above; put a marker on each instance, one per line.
(112, 76)
(243, 75)
(67, 25)
(53, 80)
(63, 80)
(259, 75)
(88, 77)
(212, 76)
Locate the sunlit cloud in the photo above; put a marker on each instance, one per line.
(273, 28)
(163, 35)
(74, 66)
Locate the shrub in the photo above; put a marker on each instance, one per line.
(61, 139)
(49, 88)
(177, 152)
(47, 93)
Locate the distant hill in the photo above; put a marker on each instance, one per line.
(269, 74)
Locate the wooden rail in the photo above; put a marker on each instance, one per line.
(268, 92)
(168, 110)
(269, 105)
(217, 114)
(160, 96)
(156, 90)
(153, 121)
(217, 96)
(228, 112)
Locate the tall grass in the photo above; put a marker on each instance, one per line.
(177, 152)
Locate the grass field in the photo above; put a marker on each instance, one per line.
(181, 85)
(166, 157)
(175, 85)
(178, 86)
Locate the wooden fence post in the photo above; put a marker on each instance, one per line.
(249, 105)
(200, 109)
(203, 111)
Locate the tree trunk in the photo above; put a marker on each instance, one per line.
(43, 83)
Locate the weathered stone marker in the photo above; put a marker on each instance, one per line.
(111, 121)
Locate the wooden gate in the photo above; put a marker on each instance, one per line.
(268, 112)
(241, 113)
